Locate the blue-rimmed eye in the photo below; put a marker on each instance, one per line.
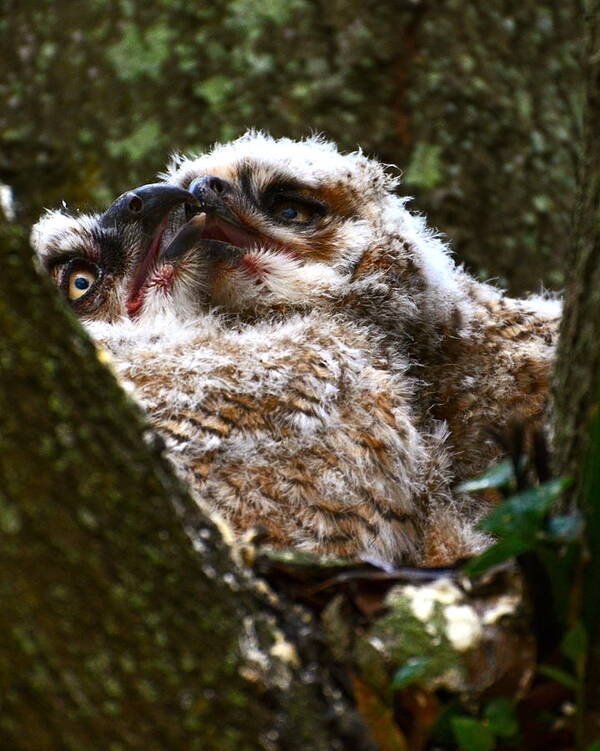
(294, 211)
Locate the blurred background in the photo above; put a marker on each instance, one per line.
(477, 103)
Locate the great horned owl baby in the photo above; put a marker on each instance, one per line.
(319, 230)
(105, 263)
(289, 231)
(297, 426)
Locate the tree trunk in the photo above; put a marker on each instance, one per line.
(116, 630)
(577, 387)
(579, 347)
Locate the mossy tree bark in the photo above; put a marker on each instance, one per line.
(579, 348)
(577, 388)
(116, 630)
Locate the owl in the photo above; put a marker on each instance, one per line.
(316, 230)
(276, 246)
(295, 425)
(104, 263)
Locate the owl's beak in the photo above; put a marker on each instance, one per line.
(146, 206)
(192, 236)
(211, 193)
(145, 212)
(159, 198)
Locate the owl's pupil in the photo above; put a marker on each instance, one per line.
(289, 213)
(81, 282)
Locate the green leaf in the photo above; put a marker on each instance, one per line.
(594, 746)
(501, 718)
(498, 553)
(565, 528)
(442, 732)
(560, 676)
(411, 671)
(500, 476)
(522, 514)
(575, 643)
(560, 566)
(472, 735)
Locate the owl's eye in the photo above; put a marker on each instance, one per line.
(295, 211)
(80, 281)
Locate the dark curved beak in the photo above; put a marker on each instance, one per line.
(210, 193)
(147, 205)
(190, 238)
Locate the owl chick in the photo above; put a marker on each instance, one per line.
(296, 426)
(318, 230)
(287, 231)
(105, 263)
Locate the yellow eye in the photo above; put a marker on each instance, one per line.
(293, 211)
(80, 282)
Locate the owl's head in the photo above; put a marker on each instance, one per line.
(109, 265)
(304, 219)
(295, 210)
(256, 223)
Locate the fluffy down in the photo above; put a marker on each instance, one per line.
(337, 375)
(294, 427)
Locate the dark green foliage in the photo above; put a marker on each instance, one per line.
(495, 725)
(500, 715)
(411, 672)
(546, 547)
(472, 735)
(520, 523)
(501, 475)
(566, 549)
(523, 514)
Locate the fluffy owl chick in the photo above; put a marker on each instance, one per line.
(316, 229)
(297, 427)
(109, 266)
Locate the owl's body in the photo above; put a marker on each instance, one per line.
(351, 374)
(297, 427)
(481, 360)
(480, 364)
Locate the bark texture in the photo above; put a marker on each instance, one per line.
(116, 631)
(576, 390)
